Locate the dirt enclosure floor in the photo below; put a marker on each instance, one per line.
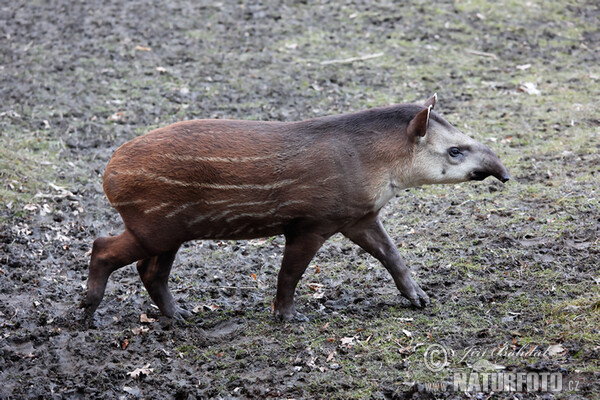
(512, 270)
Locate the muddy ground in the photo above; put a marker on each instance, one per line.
(512, 270)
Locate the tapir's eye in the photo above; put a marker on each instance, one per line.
(454, 152)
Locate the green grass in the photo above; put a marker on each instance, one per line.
(27, 166)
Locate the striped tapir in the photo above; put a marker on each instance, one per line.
(226, 179)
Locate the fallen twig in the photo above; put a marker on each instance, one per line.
(482, 54)
(352, 59)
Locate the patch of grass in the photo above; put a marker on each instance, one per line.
(28, 163)
(578, 318)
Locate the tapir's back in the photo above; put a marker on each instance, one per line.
(191, 155)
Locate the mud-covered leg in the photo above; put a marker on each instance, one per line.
(372, 237)
(300, 248)
(108, 255)
(155, 275)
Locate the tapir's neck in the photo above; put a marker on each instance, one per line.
(377, 153)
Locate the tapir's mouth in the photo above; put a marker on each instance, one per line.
(479, 175)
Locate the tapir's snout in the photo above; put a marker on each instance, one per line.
(491, 166)
(504, 178)
(499, 171)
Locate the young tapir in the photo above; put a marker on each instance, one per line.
(224, 179)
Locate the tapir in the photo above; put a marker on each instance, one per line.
(307, 180)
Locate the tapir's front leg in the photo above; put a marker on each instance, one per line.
(300, 248)
(372, 237)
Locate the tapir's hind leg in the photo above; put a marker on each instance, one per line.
(155, 275)
(108, 255)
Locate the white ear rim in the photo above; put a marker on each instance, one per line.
(432, 101)
(429, 108)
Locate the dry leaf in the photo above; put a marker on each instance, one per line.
(118, 116)
(142, 48)
(202, 307)
(523, 67)
(139, 330)
(124, 343)
(145, 319)
(348, 340)
(554, 350)
(330, 356)
(145, 370)
(529, 88)
(30, 207)
(407, 333)
(253, 276)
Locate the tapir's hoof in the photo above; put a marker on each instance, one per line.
(89, 307)
(176, 314)
(411, 290)
(420, 301)
(289, 314)
(297, 317)
(181, 315)
(88, 319)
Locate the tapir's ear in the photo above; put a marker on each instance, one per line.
(417, 127)
(431, 101)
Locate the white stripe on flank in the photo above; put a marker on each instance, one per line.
(220, 234)
(182, 208)
(270, 225)
(195, 203)
(239, 230)
(318, 183)
(250, 203)
(156, 208)
(267, 213)
(176, 157)
(201, 218)
(218, 186)
(217, 202)
(248, 186)
(127, 203)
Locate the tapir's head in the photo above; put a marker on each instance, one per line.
(445, 155)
